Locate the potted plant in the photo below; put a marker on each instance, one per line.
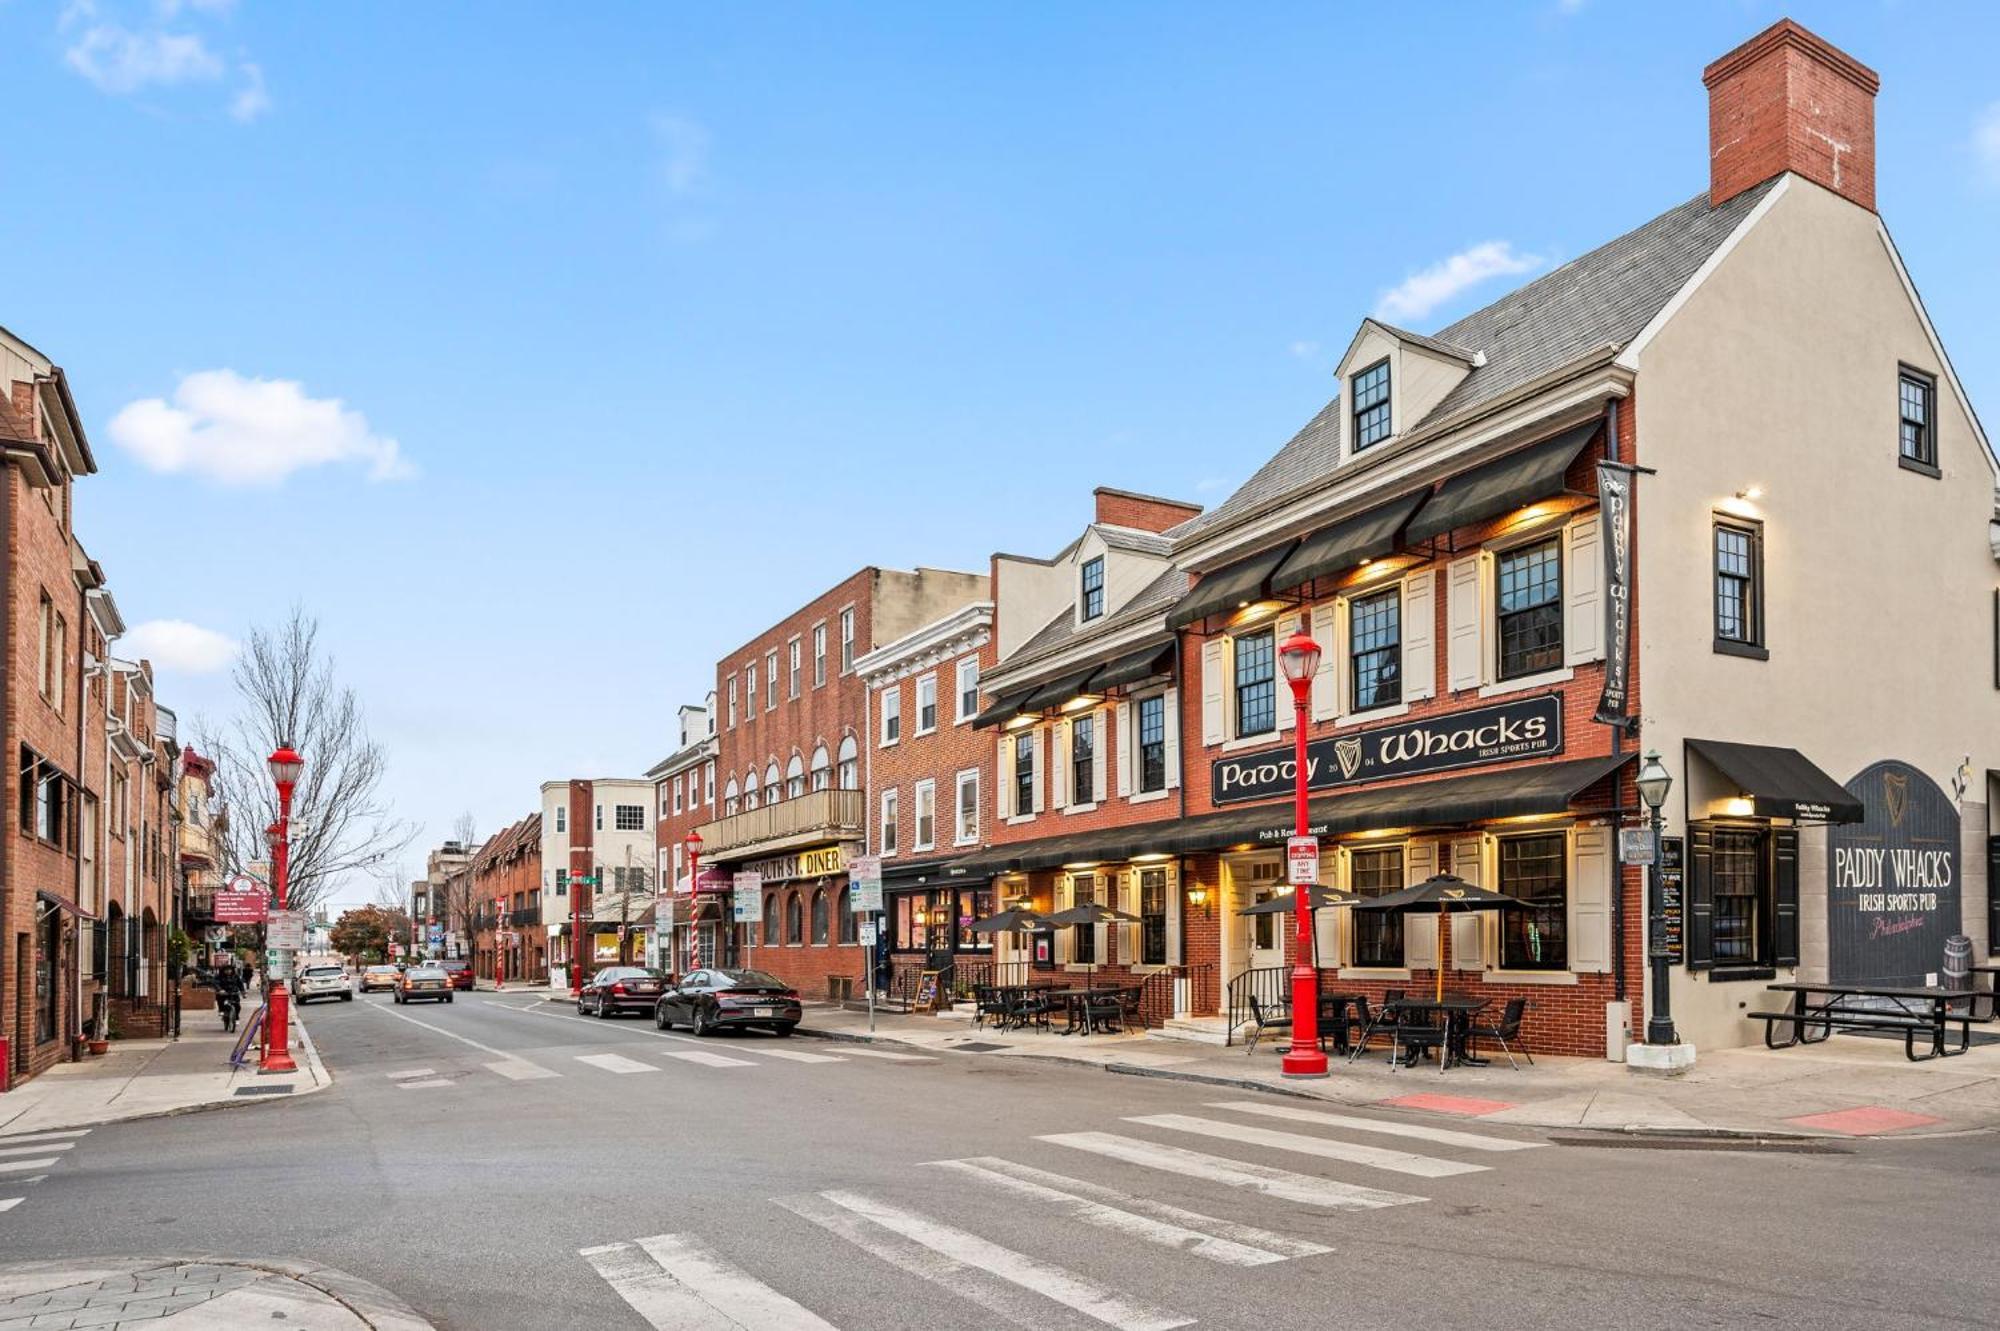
(90, 1037)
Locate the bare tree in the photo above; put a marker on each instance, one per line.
(465, 830)
(288, 694)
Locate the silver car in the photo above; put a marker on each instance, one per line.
(322, 981)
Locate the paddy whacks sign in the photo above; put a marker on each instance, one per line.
(1892, 894)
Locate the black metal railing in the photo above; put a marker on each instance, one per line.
(1175, 991)
(1269, 985)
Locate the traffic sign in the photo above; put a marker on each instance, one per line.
(864, 880)
(242, 907)
(1302, 857)
(285, 930)
(748, 904)
(867, 933)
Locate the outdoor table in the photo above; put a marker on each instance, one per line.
(1333, 1018)
(1075, 1000)
(1992, 994)
(1909, 1010)
(1016, 996)
(1459, 1010)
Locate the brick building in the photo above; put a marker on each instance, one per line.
(790, 756)
(601, 831)
(683, 790)
(506, 885)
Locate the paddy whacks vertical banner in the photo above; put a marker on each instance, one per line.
(1614, 502)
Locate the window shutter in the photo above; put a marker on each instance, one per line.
(1468, 927)
(1038, 770)
(1173, 728)
(1419, 635)
(1101, 736)
(1211, 690)
(1128, 748)
(1464, 642)
(1059, 760)
(1420, 932)
(1992, 896)
(1325, 702)
(1281, 687)
(1590, 872)
(1700, 926)
(1176, 904)
(1126, 898)
(1326, 921)
(1583, 593)
(1003, 777)
(1785, 896)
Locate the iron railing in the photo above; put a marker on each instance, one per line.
(836, 814)
(1269, 985)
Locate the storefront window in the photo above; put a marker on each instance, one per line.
(1535, 869)
(795, 919)
(843, 909)
(1152, 917)
(1738, 879)
(819, 918)
(771, 918)
(1378, 935)
(49, 942)
(974, 904)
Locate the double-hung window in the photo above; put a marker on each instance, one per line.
(792, 679)
(888, 842)
(1371, 405)
(892, 714)
(750, 690)
(1091, 603)
(1378, 934)
(967, 829)
(1256, 683)
(1739, 884)
(1530, 608)
(770, 680)
(846, 641)
(968, 689)
(926, 704)
(1083, 758)
(1024, 773)
(1534, 869)
(1152, 743)
(926, 815)
(819, 655)
(1375, 649)
(1916, 409)
(1739, 587)
(732, 702)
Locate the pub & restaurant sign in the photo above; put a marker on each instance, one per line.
(1530, 728)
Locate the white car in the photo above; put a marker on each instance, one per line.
(319, 980)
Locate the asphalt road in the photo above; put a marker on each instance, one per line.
(497, 1162)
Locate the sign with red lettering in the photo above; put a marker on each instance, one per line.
(242, 907)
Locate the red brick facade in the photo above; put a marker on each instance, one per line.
(1787, 101)
(507, 893)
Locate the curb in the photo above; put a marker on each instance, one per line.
(373, 1305)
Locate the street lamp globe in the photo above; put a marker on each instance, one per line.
(1298, 658)
(285, 765)
(693, 843)
(1653, 780)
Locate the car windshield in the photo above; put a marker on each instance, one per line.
(750, 980)
(451, 965)
(630, 973)
(324, 970)
(381, 970)
(425, 973)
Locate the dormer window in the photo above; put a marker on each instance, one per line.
(1091, 604)
(1371, 405)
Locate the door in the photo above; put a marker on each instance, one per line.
(1262, 936)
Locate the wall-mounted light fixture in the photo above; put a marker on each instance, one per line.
(1197, 895)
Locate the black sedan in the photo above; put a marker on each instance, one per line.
(618, 989)
(708, 1000)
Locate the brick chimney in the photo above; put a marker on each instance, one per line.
(1787, 101)
(1123, 508)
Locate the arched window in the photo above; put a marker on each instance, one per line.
(819, 918)
(771, 786)
(795, 777)
(850, 767)
(822, 768)
(842, 905)
(794, 919)
(771, 917)
(750, 790)
(731, 800)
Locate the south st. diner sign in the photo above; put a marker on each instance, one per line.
(1531, 728)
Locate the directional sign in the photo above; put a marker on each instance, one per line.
(1302, 856)
(242, 907)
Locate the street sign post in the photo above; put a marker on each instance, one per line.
(747, 906)
(285, 930)
(1635, 845)
(1302, 859)
(864, 884)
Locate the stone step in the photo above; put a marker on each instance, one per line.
(1193, 1030)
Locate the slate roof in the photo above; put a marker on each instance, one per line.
(1131, 538)
(1604, 297)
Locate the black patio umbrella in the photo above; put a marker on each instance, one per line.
(1445, 894)
(1011, 920)
(1319, 897)
(1088, 916)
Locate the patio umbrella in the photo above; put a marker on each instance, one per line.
(1088, 916)
(1446, 894)
(1011, 920)
(1319, 897)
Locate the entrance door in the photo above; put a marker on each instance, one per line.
(1263, 936)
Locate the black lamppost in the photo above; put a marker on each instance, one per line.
(1654, 781)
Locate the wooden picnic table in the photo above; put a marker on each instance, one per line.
(1910, 1010)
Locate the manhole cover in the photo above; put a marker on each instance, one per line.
(263, 1090)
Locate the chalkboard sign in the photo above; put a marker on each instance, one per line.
(1672, 858)
(927, 992)
(1892, 880)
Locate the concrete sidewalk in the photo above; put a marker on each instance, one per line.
(147, 1078)
(1849, 1086)
(194, 1294)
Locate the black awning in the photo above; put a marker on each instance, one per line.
(1058, 691)
(928, 875)
(1145, 663)
(1501, 486)
(1344, 545)
(1111, 844)
(1002, 709)
(1229, 589)
(1781, 783)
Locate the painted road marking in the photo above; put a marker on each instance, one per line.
(1281, 1183)
(792, 1055)
(1375, 1157)
(677, 1284)
(954, 1256)
(520, 1069)
(11, 1138)
(9, 1203)
(706, 1059)
(422, 1083)
(412, 1072)
(1135, 1217)
(1471, 1141)
(37, 1150)
(615, 1063)
(23, 1166)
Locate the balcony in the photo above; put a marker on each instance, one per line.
(817, 816)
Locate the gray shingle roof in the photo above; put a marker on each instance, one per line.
(1131, 538)
(1605, 296)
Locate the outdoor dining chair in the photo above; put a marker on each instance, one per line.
(1262, 1020)
(1506, 1032)
(1417, 1029)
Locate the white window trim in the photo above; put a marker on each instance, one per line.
(1528, 977)
(927, 786)
(1147, 797)
(845, 641)
(1527, 682)
(1373, 972)
(819, 654)
(888, 814)
(894, 693)
(960, 716)
(958, 836)
(918, 699)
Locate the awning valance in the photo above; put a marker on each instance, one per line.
(1501, 486)
(1145, 663)
(1002, 709)
(1344, 545)
(1229, 589)
(1058, 691)
(1780, 783)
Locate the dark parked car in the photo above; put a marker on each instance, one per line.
(423, 982)
(458, 969)
(618, 989)
(708, 1000)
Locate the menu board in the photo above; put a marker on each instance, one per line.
(1672, 857)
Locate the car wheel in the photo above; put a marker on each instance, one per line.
(447, 998)
(785, 1029)
(700, 1024)
(660, 1022)
(347, 998)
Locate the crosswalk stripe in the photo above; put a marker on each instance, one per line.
(12, 1138)
(422, 1083)
(37, 1149)
(1375, 1157)
(615, 1063)
(707, 1059)
(1471, 1141)
(1281, 1183)
(1030, 1273)
(1092, 1205)
(891, 1055)
(411, 1072)
(9, 1203)
(520, 1069)
(23, 1166)
(796, 1055)
(677, 1284)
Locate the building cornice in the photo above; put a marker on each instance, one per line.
(966, 629)
(1113, 640)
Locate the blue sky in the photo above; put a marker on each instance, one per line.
(546, 352)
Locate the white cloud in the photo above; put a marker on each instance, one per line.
(683, 152)
(1305, 349)
(1986, 142)
(241, 431)
(251, 100)
(1421, 292)
(175, 644)
(118, 60)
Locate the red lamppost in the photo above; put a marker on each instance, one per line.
(285, 765)
(692, 844)
(1299, 658)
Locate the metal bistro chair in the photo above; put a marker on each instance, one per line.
(1103, 1012)
(1033, 1008)
(1363, 1023)
(988, 1003)
(1506, 1032)
(1275, 1020)
(1417, 1029)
